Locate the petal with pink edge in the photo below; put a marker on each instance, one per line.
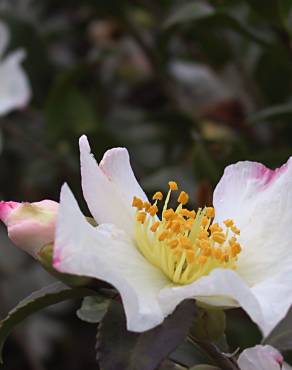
(106, 253)
(260, 358)
(259, 200)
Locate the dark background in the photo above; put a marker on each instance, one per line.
(187, 86)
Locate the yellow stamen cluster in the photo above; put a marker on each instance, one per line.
(184, 244)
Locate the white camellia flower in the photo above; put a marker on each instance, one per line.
(15, 90)
(262, 358)
(155, 263)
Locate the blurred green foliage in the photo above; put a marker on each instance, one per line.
(187, 86)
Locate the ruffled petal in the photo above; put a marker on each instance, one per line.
(260, 358)
(221, 287)
(106, 253)
(15, 90)
(259, 200)
(105, 190)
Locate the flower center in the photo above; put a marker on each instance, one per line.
(183, 243)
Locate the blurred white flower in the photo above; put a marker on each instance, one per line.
(15, 91)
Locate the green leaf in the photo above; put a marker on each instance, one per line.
(68, 109)
(191, 11)
(271, 10)
(209, 325)
(270, 113)
(281, 336)
(93, 309)
(120, 349)
(38, 300)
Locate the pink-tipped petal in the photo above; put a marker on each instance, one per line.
(260, 358)
(6, 208)
(259, 201)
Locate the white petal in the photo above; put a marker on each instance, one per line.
(221, 286)
(275, 298)
(4, 38)
(105, 253)
(260, 358)
(14, 88)
(116, 165)
(105, 190)
(260, 202)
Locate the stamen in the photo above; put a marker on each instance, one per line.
(172, 185)
(210, 212)
(183, 243)
(137, 203)
(228, 222)
(183, 198)
(153, 210)
(157, 196)
(141, 217)
(155, 226)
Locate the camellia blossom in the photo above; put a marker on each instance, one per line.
(235, 254)
(262, 358)
(15, 90)
(30, 225)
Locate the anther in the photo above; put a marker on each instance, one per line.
(210, 212)
(157, 196)
(235, 230)
(155, 226)
(217, 253)
(183, 198)
(153, 210)
(141, 217)
(190, 256)
(219, 237)
(205, 221)
(202, 260)
(137, 202)
(163, 236)
(168, 214)
(215, 228)
(185, 242)
(203, 234)
(173, 243)
(172, 185)
(146, 206)
(228, 222)
(235, 249)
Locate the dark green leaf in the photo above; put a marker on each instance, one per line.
(281, 336)
(209, 325)
(120, 349)
(38, 300)
(93, 309)
(269, 9)
(191, 11)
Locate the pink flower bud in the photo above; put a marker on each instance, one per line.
(30, 225)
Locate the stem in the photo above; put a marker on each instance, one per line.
(212, 351)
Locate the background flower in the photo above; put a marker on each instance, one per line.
(15, 91)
